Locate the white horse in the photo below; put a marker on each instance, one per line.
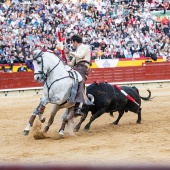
(58, 84)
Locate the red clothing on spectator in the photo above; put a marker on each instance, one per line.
(142, 56)
(165, 5)
(165, 20)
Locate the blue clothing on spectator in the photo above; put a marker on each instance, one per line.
(9, 21)
(20, 24)
(84, 6)
(128, 56)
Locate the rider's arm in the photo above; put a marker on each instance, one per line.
(72, 62)
(81, 52)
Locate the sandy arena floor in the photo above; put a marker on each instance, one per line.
(127, 143)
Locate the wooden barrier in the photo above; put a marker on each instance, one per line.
(150, 71)
(147, 72)
(17, 80)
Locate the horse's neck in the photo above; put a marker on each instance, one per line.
(58, 71)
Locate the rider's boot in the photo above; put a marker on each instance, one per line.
(78, 108)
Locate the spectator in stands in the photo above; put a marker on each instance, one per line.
(129, 54)
(6, 70)
(142, 55)
(120, 54)
(99, 24)
(22, 68)
(165, 5)
(136, 55)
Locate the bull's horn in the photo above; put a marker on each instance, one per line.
(91, 97)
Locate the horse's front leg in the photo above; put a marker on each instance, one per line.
(51, 119)
(68, 115)
(38, 111)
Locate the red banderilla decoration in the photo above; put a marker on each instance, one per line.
(127, 95)
(62, 50)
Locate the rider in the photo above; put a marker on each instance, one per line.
(80, 62)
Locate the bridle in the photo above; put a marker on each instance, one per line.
(45, 75)
(35, 57)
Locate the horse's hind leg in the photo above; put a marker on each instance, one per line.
(139, 116)
(51, 119)
(69, 114)
(121, 112)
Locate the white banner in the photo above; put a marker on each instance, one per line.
(106, 63)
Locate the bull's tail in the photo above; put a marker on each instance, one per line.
(148, 97)
(144, 98)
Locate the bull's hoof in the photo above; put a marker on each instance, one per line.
(43, 120)
(115, 123)
(138, 122)
(25, 132)
(76, 129)
(86, 128)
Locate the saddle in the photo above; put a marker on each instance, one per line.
(73, 73)
(77, 78)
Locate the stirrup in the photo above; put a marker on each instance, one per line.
(78, 112)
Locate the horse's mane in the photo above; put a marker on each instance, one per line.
(36, 52)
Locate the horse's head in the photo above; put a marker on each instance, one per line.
(40, 71)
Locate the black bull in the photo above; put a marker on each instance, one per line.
(109, 99)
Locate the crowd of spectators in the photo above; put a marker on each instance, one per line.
(112, 28)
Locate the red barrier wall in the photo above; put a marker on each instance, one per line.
(151, 71)
(17, 80)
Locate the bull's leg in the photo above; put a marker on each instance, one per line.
(68, 115)
(139, 116)
(119, 117)
(111, 114)
(83, 117)
(51, 119)
(93, 117)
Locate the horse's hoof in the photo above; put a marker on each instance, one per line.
(43, 120)
(25, 132)
(61, 133)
